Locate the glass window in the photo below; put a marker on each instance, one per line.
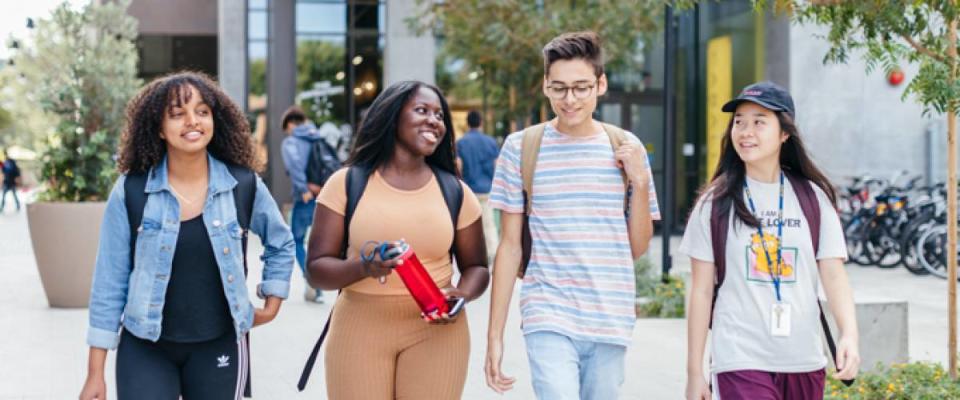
(257, 25)
(610, 113)
(257, 4)
(642, 72)
(314, 17)
(322, 78)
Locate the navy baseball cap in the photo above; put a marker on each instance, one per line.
(768, 95)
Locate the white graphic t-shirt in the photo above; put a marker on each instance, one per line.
(742, 338)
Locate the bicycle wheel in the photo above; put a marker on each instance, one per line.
(855, 236)
(908, 248)
(881, 248)
(932, 248)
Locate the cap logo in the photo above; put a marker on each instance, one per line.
(752, 93)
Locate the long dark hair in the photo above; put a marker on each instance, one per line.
(726, 186)
(141, 147)
(376, 138)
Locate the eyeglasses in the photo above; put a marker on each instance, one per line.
(581, 91)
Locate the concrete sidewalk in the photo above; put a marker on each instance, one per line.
(44, 355)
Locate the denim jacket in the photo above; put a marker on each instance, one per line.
(134, 297)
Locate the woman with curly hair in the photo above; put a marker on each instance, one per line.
(169, 294)
(381, 346)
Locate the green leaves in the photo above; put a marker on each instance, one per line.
(504, 39)
(80, 71)
(886, 33)
(663, 299)
(916, 380)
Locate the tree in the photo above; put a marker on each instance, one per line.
(5, 119)
(322, 61)
(504, 39)
(258, 77)
(81, 70)
(28, 124)
(885, 33)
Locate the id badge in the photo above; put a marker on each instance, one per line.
(780, 319)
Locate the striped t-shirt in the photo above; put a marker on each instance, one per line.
(580, 280)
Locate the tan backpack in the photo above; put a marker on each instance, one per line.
(529, 151)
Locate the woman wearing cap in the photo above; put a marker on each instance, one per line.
(752, 217)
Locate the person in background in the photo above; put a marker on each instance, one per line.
(477, 156)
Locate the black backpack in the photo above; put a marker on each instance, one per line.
(357, 178)
(14, 171)
(322, 162)
(243, 197)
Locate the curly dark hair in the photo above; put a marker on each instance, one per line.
(141, 147)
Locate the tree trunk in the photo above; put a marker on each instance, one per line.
(513, 106)
(951, 250)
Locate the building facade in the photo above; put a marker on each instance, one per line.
(334, 56)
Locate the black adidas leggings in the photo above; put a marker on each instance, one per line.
(165, 370)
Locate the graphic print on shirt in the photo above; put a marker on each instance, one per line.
(758, 269)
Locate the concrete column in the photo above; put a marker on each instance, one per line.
(406, 56)
(232, 49)
(777, 49)
(281, 89)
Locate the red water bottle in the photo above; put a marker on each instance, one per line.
(418, 282)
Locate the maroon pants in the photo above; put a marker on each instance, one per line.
(761, 385)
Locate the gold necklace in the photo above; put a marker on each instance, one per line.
(180, 196)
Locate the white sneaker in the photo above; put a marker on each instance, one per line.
(313, 295)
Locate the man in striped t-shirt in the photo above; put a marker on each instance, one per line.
(577, 297)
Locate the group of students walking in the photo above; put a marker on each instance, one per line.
(576, 200)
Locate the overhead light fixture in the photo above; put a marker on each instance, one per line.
(368, 86)
(340, 75)
(357, 60)
(357, 91)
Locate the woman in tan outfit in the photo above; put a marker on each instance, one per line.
(380, 346)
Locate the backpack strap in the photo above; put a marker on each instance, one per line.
(135, 199)
(719, 224)
(356, 183)
(452, 192)
(244, 195)
(809, 204)
(811, 212)
(617, 137)
(529, 152)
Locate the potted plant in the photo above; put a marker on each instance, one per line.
(80, 69)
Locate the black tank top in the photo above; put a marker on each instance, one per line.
(195, 308)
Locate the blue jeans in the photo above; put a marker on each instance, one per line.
(3, 200)
(300, 219)
(563, 368)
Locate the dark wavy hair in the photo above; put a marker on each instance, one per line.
(376, 138)
(726, 186)
(141, 147)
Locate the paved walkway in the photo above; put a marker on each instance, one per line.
(44, 355)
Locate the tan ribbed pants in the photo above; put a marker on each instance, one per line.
(379, 348)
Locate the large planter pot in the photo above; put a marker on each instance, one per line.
(64, 237)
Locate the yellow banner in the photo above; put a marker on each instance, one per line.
(719, 91)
